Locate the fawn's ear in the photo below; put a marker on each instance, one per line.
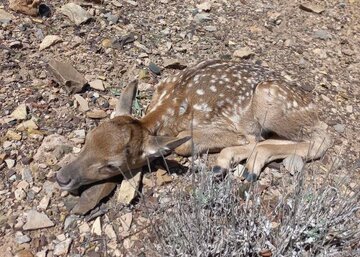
(156, 146)
(124, 105)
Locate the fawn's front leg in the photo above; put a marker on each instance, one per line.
(209, 139)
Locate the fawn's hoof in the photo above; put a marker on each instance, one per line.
(218, 172)
(249, 176)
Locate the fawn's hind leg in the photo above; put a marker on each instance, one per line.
(289, 114)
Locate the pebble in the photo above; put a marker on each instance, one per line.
(244, 52)
(83, 104)
(202, 17)
(37, 220)
(12, 135)
(84, 228)
(10, 163)
(96, 114)
(48, 41)
(293, 163)
(21, 239)
(96, 227)
(62, 248)
(204, 6)
(19, 194)
(154, 68)
(20, 113)
(322, 34)
(340, 128)
(28, 125)
(349, 108)
(210, 28)
(311, 7)
(97, 84)
(69, 221)
(44, 203)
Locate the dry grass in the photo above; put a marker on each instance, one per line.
(210, 218)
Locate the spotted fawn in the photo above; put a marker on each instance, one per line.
(241, 110)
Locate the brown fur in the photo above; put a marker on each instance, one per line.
(224, 106)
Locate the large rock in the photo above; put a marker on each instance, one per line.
(76, 13)
(65, 74)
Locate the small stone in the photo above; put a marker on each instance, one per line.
(5, 17)
(28, 125)
(15, 44)
(320, 52)
(126, 221)
(210, 28)
(23, 185)
(162, 177)
(109, 231)
(349, 108)
(112, 18)
(340, 128)
(20, 113)
(22, 239)
(322, 34)
(80, 133)
(106, 43)
(48, 41)
(83, 104)
(202, 17)
(239, 170)
(97, 84)
(84, 228)
(311, 7)
(128, 189)
(19, 194)
(12, 135)
(293, 163)
(69, 221)
(174, 64)
(244, 52)
(204, 6)
(62, 248)
(96, 227)
(76, 13)
(131, 2)
(44, 203)
(96, 114)
(154, 68)
(10, 163)
(37, 220)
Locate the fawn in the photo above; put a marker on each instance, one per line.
(242, 110)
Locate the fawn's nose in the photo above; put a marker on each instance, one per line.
(61, 180)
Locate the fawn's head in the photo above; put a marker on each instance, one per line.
(115, 147)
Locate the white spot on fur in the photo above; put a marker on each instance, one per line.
(213, 88)
(200, 91)
(202, 107)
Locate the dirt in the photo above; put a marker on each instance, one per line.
(317, 51)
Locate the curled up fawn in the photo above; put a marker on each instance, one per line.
(241, 110)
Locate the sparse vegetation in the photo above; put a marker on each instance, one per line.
(209, 218)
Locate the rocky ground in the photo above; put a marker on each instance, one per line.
(44, 122)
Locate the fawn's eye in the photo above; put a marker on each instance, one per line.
(109, 169)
